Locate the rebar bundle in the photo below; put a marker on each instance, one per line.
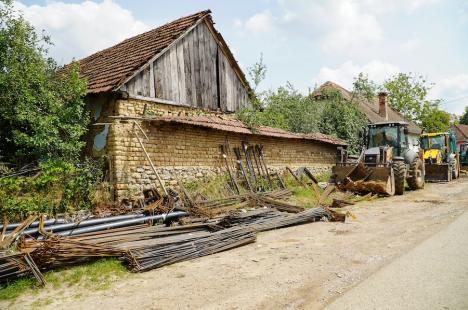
(158, 255)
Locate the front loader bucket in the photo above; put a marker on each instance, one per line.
(362, 179)
(438, 173)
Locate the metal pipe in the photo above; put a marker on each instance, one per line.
(130, 222)
(84, 223)
(34, 224)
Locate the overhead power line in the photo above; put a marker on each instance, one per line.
(456, 99)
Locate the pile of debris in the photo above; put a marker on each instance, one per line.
(169, 226)
(34, 246)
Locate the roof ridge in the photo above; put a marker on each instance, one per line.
(201, 13)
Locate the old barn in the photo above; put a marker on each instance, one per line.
(175, 89)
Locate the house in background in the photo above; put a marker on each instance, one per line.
(461, 132)
(377, 110)
(175, 88)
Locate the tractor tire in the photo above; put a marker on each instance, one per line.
(399, 170)
(416, 174)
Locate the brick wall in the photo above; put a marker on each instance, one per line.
(188, 152)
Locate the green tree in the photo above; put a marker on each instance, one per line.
(284, 108)
(41, 110)
(435, 120)
(408, 94)
(364, 88)
(464, 117)
(342, 119)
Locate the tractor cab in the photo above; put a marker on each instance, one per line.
(438, 146)
(440, 155)
(387, 134)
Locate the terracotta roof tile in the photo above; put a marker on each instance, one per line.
(108, 68)
(461, 131)
(370, 109)
(234, 125)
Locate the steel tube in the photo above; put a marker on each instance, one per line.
(68, 226)
(34, 224)
(89, 229)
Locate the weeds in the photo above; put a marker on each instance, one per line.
(98, 275)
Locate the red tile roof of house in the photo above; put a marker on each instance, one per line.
(461, 131)
(109, 68)
(370, 109)
(233, 125)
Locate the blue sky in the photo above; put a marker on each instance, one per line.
(303, 42)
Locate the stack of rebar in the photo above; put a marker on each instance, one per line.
(12, 265)
(267, 219)
(59, 251)
(142, 246)
(153, 255)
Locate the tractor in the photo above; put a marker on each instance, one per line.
(464, 156)
(386, 162)
(440, 156)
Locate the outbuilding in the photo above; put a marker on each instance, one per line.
(175, 90)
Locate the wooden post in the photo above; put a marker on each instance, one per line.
(151, 163)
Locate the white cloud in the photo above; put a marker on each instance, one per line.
(260, 22)
(454, 90)
(78, 30)
(385, 6)
(334, 24)
(344, 75)
(411, 44)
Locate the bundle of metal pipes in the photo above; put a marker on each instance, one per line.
(91, 225)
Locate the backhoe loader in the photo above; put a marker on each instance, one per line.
(386, 162)
(440, 156)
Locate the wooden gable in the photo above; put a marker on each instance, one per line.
(197, 70)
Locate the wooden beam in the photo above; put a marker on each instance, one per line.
(161, 52)
(228, 54)
(151, 81)
(158, 100)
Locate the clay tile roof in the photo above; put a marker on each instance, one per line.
(108, 68)
(461, 131)
(370, 109)
(236, 126)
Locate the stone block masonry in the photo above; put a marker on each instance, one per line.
(189, 152)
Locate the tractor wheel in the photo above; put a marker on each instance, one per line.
(455, 170)
(416, 175)
(399, 169)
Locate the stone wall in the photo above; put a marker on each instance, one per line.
(135, 107)
(188, 152)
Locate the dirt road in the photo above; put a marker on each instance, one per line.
(302, 267)
(434, 275)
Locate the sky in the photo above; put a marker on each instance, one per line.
(305, 43)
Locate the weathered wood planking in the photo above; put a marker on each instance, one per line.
(187, 74)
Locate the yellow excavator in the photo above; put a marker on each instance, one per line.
(441, 157)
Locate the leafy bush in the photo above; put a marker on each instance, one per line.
(42, 112)
(60, 187)
(287, 109)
